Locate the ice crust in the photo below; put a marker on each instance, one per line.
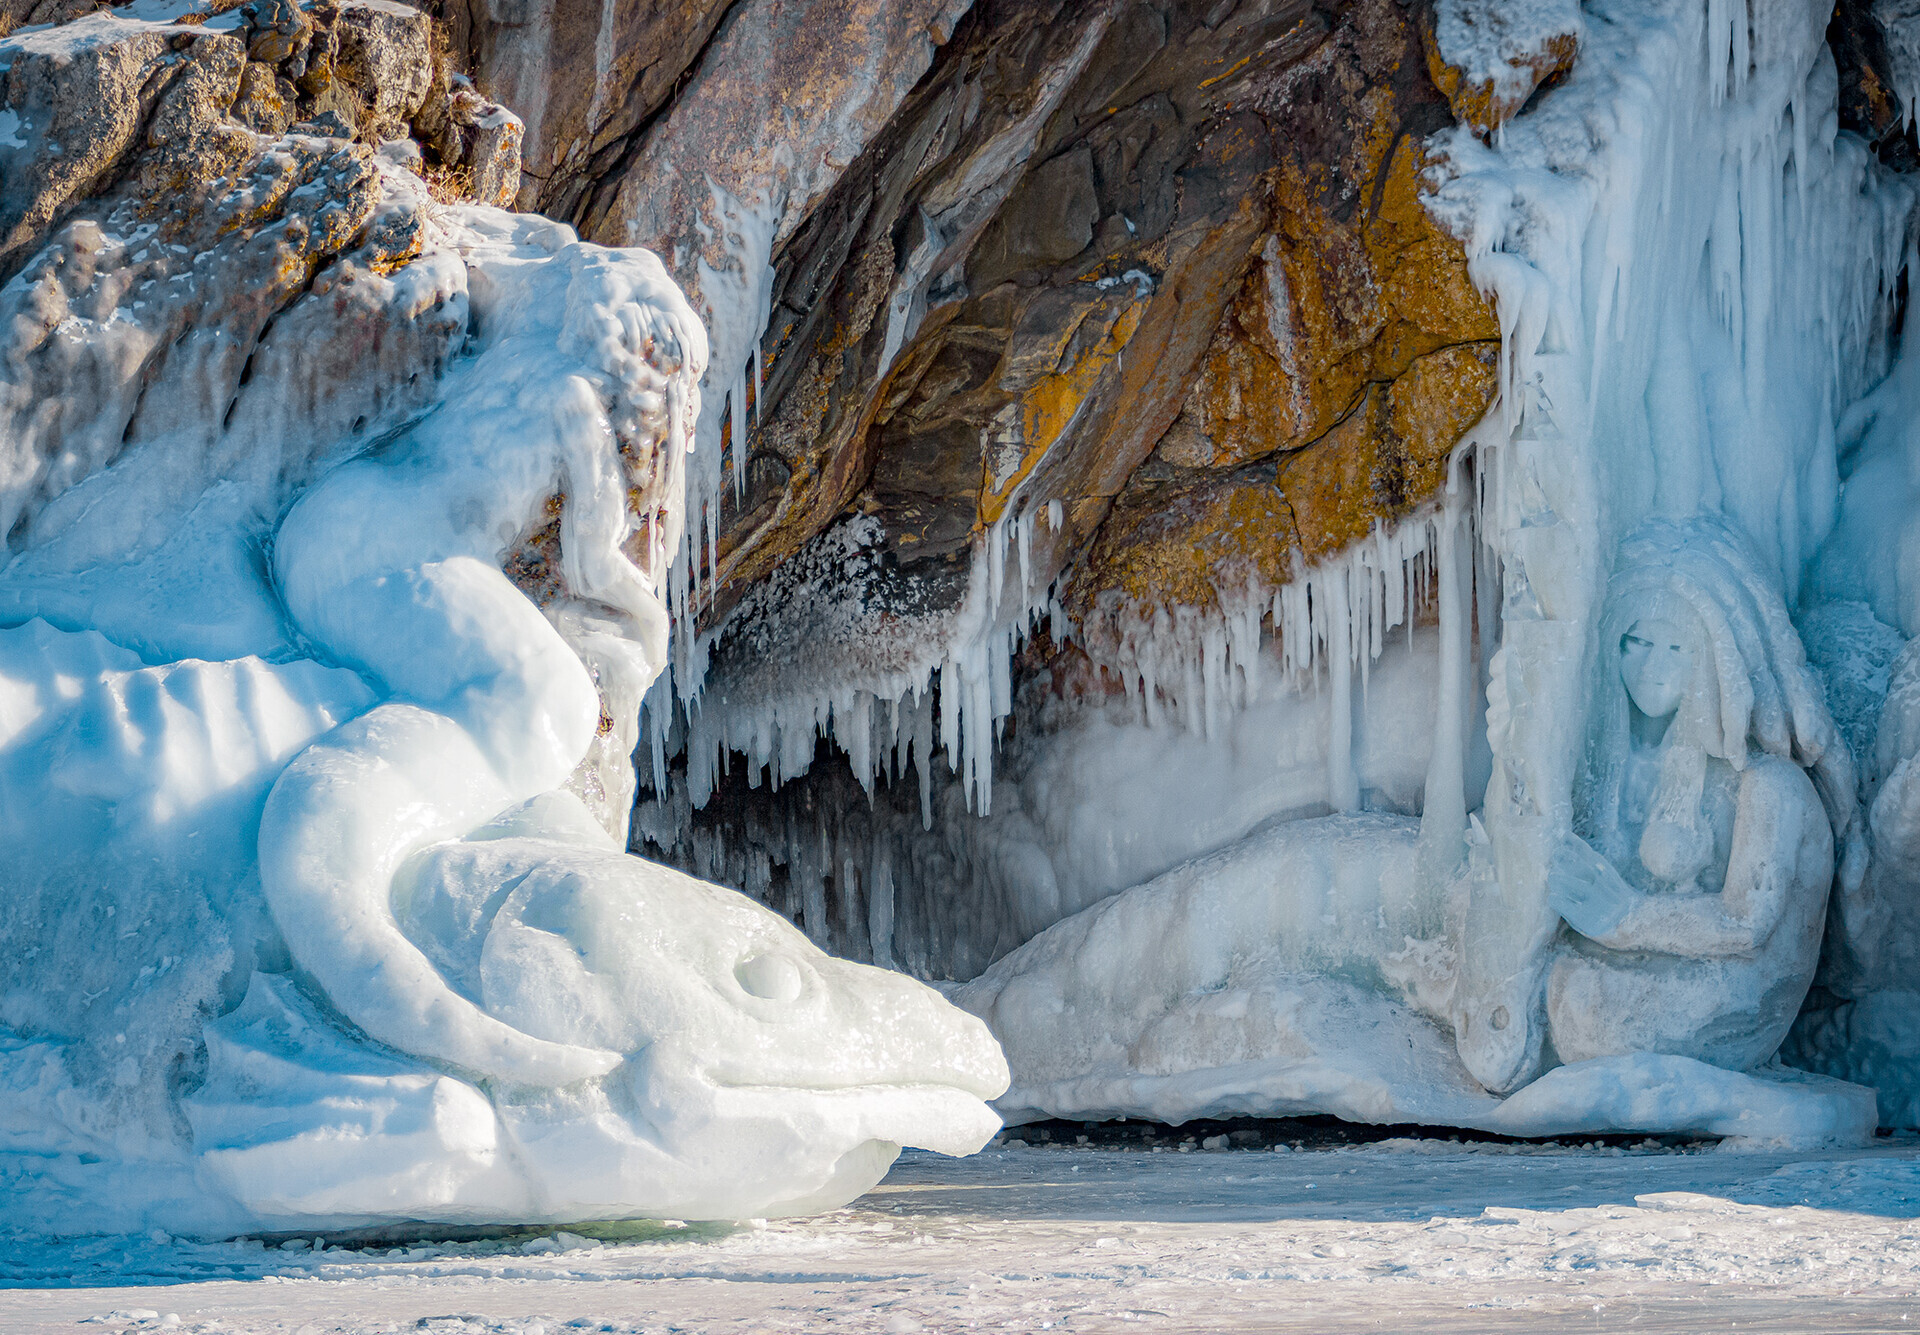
(303, 924)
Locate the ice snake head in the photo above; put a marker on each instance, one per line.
(743, 1038)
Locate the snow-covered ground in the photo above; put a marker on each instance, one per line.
(1400, 1235)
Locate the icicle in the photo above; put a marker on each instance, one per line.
(1023, 536)
(1343, 791)
(950, 693)
(856, 739)
(996, 539)
(737, 433)
(815, 888)
(710, 514)
(923, 752)
(1443, 817)
(847, 888)
(880, 909)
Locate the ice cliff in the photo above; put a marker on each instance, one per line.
(1347, 560)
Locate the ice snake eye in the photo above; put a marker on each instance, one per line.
(772, 977)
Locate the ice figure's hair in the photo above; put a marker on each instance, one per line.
(1751, 686)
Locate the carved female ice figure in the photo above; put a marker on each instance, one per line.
(1697, 889)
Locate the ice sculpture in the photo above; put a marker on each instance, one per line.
(1698, 895)
(752, 1074)
(434, 988)
(1314, 966)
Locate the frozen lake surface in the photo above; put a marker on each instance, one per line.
(1399, 1235)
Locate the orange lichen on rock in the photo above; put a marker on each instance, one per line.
(1052, 403)
(1332, 307)
(1179, 545)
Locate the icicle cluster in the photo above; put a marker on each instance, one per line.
(832, 653)
(1692, 267)
(1193, 666)
(736, 297)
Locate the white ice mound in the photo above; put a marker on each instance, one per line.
(315, 936)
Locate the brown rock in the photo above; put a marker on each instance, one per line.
(1333, 306)
(1047, 221)
(265, 103)
(85, 90)
(277, 30)
(190, 141)
(1208, 280)
(100, 95)
(1440, 396)
(787, 94)
(587, 78)
(386, 54)
(36, 13)
(338, 100)
(1178, 545)
(1390, 453)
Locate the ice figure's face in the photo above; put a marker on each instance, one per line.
(1656, 663)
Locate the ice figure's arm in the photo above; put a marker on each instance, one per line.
(1585, 890)
(595, 523)
(1782, 847)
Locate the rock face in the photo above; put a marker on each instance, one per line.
(1163, 275)
(589, 79)
(1231, 205)
(1092, 235)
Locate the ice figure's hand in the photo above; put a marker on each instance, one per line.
(1585, 890)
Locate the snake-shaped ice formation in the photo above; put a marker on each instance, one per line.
(584, 386)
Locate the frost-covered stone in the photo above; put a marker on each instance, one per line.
(1488, 56)
(85, 88)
